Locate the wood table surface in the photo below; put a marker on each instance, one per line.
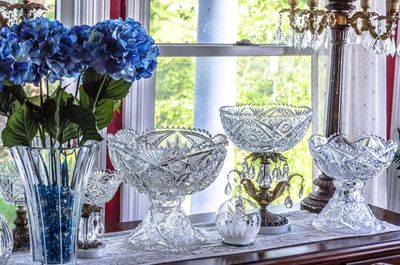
(375, 249)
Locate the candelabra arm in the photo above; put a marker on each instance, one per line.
(279, 189)
(250, 189)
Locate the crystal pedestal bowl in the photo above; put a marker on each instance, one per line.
(265, 129)
(166, 165)
(350, 164)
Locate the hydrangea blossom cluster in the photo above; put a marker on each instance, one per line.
(52, 48)
(15, 66)
(122, 49)
(42, 48)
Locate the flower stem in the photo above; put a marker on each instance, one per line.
(98, 93)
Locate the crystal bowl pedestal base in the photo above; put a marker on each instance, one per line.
(166, 228)
(347, 211)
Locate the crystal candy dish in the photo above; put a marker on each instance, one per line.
(11, 187)
(350, 164)
(101, 188)
(166, 165)
(265, 129)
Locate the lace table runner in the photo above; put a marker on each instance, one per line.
(120, 252)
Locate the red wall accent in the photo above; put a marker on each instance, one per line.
(112, 208)
(390, 72)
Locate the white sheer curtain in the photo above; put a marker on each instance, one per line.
(84, 12)
(138, 114)
(393, 172)
(364, 104)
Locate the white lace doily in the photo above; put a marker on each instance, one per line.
(120, 252)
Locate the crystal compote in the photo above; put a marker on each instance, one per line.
(101, 188)
(266, 131)
(350, 164)
(12, 190)
(166, 165)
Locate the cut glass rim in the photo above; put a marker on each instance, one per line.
(233, 110)
(325, 142)
(218, 140)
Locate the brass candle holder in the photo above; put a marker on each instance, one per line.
(307, 25)
(273, 179)
(266, 132)
(346, 26)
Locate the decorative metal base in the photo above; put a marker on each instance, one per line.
(21, 230)
(92, 252)
(272, 224)
(317, 200)
(275, 230)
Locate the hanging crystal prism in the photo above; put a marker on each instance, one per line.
(285, 175)
(315, 43)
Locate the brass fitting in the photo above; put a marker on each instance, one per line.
(392, 7)
(293, 3)
(313, 4)
(366, 5)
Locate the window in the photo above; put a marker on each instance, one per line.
(201, 69)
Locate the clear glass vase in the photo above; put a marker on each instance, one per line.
(6, 241)
(54, 181)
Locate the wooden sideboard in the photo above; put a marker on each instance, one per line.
(377, 249)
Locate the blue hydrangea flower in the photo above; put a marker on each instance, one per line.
(15, 65)
(122, 49)
(54, 50)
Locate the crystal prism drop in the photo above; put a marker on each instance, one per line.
(290, 38)
(252, 172)
(315, 43)
(275, 174)
(379, 46)
(228, 189)
(288, 202)
(304, 40)
(368, 41)
(301, 191)
(279, 36)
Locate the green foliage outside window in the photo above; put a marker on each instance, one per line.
(259, 80)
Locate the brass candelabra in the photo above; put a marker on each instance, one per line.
(346, 26)
(309, 27)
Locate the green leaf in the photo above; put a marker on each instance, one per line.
(104, 113)
(111, 89)
(10, 96)
(21, 128)
(86, 122)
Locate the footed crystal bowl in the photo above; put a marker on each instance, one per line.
(265, 129)
(166, 165)
(350, 164)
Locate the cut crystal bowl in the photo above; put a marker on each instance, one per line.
(350, 164)
(166, 165)
(265, 129)
(102, 186)
(11, 187)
